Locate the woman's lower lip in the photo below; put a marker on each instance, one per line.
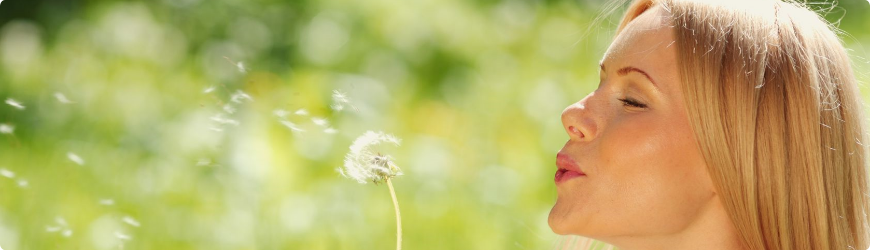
(565, 175)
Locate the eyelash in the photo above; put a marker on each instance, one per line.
(632, 103)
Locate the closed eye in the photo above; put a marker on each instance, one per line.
(632, 103)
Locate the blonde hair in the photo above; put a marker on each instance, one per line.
(777, 113)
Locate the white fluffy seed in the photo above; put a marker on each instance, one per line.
(15, 104)
(75, 158)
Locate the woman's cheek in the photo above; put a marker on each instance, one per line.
(652, 152)
(637, 157)
(634, 141)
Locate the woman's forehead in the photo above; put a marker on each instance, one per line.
(644, 33)
(647, 43)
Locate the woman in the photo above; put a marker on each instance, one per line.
(718, 125)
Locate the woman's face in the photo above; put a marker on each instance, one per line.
(644, 173)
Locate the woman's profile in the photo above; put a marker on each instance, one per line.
(718, 125)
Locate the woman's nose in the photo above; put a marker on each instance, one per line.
(577, 121)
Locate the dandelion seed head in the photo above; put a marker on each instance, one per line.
(6, 128)
(7, 173)
(365, 165)
(75, 158)
(131, 221)
(15, 104)
(61, 98)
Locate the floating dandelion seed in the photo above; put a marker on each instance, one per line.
(216, 129)
(364, 165)
(15, 104)
(339, 100)
(337, 107)
(281, 113)
(131, 221)
(219, 118)
(6, 173)
(6, 128)
(122, 236)
(301, 112)
(229, 109)
(240, 96)
(75, 158)
(338, 96)
(208, 90)
(107, 202)
(292, 126)
(61, 227)
(330, 131)
(320, 121)
(22, 184)
(203, 162)
(61, 98)
(60, 221)
(241, 67)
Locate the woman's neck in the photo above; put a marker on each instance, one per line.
(711, 230)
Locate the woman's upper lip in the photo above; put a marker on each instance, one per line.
(564, 161)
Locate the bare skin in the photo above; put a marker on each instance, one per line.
(646, 183)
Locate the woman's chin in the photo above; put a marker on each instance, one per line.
(567, 219)
(558, 220)
(557, 226)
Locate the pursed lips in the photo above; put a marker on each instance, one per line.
(565, 162)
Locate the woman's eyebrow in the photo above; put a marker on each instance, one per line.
(628, 69)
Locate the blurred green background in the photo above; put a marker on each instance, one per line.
(131, 132)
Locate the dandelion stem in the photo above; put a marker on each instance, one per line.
(398, 216)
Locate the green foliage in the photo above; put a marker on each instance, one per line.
(474, 89)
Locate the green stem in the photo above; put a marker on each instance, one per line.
(398, 216)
